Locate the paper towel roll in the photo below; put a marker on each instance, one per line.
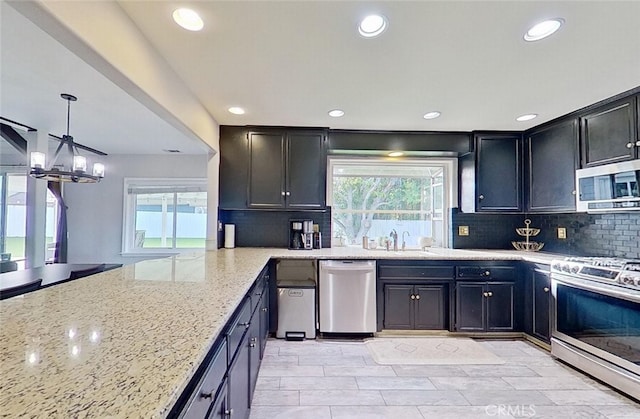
(229, 236)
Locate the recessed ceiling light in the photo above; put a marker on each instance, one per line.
(236, 110)
(336, 113)
(372, 25)
(543, 29)
(188, 19)
(431, 115)
(395, 154)
(526, 117)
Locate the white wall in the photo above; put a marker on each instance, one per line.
(95, 211)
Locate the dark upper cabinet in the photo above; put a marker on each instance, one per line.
(610, 133)
(498, 172)
(306, 170)
(234, 171)
(552, 159)
(272, 168)
(287, 169)
(267, 170)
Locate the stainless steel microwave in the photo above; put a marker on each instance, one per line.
(608, 188)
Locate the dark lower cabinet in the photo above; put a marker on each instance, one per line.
(239, 382)
(253, 338)
(415, 306)
(264, 317)
(209, 385)
(541, 282)
(220, 409)
(485, 306)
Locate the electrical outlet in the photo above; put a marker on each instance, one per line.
(463, 230)
(562, 233)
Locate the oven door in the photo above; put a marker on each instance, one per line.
(601, 319)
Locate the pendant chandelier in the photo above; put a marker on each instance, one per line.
(67, 164)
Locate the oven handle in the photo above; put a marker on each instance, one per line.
(589, 286)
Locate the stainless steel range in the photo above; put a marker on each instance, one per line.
(596, 318)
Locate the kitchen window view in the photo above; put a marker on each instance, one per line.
(373, 197)
(163, 216)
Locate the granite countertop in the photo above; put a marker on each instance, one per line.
(124, 343)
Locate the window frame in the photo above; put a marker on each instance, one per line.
(129, 215)
(449, 189)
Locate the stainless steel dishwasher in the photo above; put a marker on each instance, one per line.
(347, 296)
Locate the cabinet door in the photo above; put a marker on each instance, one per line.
(470, 313)
(499, 173)
(541, 305)
(500, 306)
(238, 382)
(219, 410)
(266, 170)
(398, 307)
(234, 158)
(551, 165)
(306, 170)
(609, 134)
(264, 319)
(254, 353)
(429, 307)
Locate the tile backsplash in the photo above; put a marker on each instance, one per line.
(259, 228)
(616, 234)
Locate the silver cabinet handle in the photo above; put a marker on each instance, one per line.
(417, 297)
(486, 294)
(480, 197)
(264, 309)
(573, 192)
(630, 145)
(487, 273)
(490, 294)
(228, 412)
(545, 289)
(254, 340)
(638, 143)
(252, 345)
(245, 325)
(413, 297)
(288, 193)
(282, 193)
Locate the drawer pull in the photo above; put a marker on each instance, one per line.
(258, 294)
(413, 297)
(206, 395)
(245, 325)
(545, 289)
(486, 294)
(228, 412)
(252, 345)
(490, 294)
(417, 297)
(264, 309)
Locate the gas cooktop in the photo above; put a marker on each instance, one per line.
(615, 271)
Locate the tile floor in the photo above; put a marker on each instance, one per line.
(329, 379)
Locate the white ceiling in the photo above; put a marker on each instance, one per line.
(290, 62)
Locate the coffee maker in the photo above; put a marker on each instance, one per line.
(301, 234)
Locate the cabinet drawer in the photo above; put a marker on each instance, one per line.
(255, 294)
(484, 273)
(412, 271)
(238, 326)
(208, 387)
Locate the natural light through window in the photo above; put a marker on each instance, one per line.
(374, 197)
(165, 215)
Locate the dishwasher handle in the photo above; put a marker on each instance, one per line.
(347, 265)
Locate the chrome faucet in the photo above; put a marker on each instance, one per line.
(404, 244)
(394, 236)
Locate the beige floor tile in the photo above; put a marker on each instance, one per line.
(424, 397)
(394, 383)
(341, 398)
(318, 383)
(369, 370)
(290, 412)
(276, 398)
(375, 412)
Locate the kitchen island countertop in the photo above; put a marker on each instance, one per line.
(125, 343)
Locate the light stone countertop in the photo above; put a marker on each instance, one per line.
(124, 343)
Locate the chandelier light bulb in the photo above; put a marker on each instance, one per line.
(79, 164)
(98, 169)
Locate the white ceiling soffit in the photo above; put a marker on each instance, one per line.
(290, 62)
(35, 69)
